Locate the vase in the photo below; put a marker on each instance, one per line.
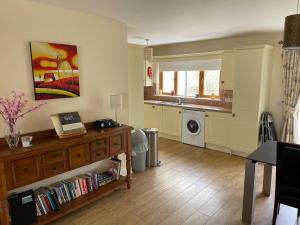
(12, 136)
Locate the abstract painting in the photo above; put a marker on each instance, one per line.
(55, 70)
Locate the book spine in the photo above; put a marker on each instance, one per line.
(43, 203)
(47, 202)
(51, 201)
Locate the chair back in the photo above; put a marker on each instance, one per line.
(288, 166)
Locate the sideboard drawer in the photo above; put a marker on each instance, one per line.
(54, 156)
(117, 144)
(25, 171)
(101, 144)
(54, 169)
(78, 155)
(97, 155)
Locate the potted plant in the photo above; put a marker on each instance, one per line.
(11, 109)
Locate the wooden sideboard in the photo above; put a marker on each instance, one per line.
(50, 156)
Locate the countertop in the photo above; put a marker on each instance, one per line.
(190, 106)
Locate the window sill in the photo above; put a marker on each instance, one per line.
(187, 97)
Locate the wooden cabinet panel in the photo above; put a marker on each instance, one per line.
(101, 144)
(54, 169)
(54, 156)
(218, 128)
(172, 121)
(78, 155)
(227, 70)
(153, 116)
(25, 171)
(117, 144)
(97, 155)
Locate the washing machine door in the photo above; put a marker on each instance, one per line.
(193, 126)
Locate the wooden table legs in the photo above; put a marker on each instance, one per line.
(4, 215)
(128, 160)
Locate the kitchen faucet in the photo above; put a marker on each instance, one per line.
(180, 101)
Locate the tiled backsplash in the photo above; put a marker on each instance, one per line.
(224, 101)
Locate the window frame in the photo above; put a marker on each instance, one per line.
(201, 85)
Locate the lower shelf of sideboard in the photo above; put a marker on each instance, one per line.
(82, 201)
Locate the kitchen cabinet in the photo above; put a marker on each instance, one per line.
(217, 128)
(250, 98)
(153, 116)
(172, 121)
(227, 70)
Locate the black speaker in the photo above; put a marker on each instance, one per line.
(104, 123)
(22, 208)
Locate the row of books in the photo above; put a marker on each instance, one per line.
(52, 197)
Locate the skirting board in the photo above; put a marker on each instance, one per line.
(226, 150)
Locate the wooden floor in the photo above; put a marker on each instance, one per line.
(192, 186)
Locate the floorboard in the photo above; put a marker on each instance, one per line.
(193, 186)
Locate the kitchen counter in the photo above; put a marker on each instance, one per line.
(190, 106)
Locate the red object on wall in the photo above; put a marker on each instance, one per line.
(149, 72)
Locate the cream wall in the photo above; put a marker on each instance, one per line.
(102, 54)
(103, 63)
(275, 97)
(136, 85)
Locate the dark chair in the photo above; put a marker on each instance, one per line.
(287, 190)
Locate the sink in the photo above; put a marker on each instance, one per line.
(172, 103)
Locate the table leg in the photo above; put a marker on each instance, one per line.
(249, 191)
(267, 179)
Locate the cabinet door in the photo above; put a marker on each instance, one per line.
(152, 116)
(246, 99)
(172, 120)
(247, 80)
(244, 137)
(218, 128)
(227, 70)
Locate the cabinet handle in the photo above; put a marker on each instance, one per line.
(116, 144)
(179, 112)
(54, 168)
(25, 170)
(233, 115)
(206, 115)
(222, 81)
(53, 156)
(98, 154)
(153, 107)
(78, 155)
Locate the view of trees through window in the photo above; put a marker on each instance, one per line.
(191, 83)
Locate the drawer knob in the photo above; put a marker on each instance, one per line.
(53, 156)
(116, 144)
(233, 115)
(78, 155)
(153, 107)
(222, 82)
(98, 154)
(179, 112)
(206, 115)
(25, 170)
(54, 168)
(99, 143)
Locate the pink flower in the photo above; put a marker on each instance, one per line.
(11, 109)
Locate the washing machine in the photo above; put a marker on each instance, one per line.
(193, 127)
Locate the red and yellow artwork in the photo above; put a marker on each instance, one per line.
(55, 70)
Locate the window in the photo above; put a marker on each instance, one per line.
(190, 83)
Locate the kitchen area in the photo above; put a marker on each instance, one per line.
(226, 120)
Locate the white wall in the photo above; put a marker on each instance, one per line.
(136, 85)
(275, 97)
(103, 61)
(102, 55)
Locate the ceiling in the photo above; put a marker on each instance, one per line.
(170, 21)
